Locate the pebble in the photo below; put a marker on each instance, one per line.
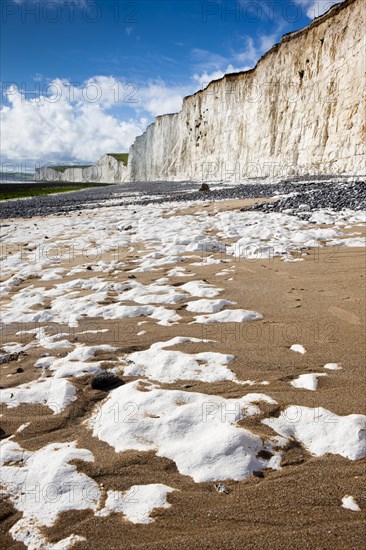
(8, 357)
(315, 192)
(221, 488)
(106, 381)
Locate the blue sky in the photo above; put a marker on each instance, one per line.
(88, 76)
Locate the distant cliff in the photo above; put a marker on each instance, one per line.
(300, 111)
(110, 168)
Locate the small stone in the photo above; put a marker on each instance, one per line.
(8, 357)
(2, 433)
(258, 473)
(186, 386)
(19, 370)
(127, 228)
(89, 268)
(266, 455)
(204, 188)
(131, 276)
(106, 381)
(221, 488)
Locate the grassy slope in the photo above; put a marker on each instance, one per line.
(17, 194)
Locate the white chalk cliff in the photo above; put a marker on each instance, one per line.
(301, 110)
(110, 168)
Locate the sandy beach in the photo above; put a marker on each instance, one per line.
(311, 296)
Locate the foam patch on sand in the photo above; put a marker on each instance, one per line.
(42, 484)
(70, 310)
(321, 431)
(332, 366)
(70, 307)
(26, 530)
(259, 236)
(208, 306)
(298, 348)
(201, 289)
(349, 503)
(48, 341)
(54, 393)
(75, 363)
(228, 316)
(69, 369)
(83, 352)
(167, 366)
(167, 239)
(152, 294)
(198, 432)
(179, 272)
(307, 381)
(138, 502)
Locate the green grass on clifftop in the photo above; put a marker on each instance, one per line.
(123, 157)
(62, 168)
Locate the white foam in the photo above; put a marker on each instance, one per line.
(307, 381)
(138, 502)
(42, 484)
(198, 432)
(298, 348)
(68, 369)
(52, 274)
(201, 289)
(208, 306)
(168, 366)
(179, 272)
(83, 352)
(45, 362)
(152, 294)
(54, 393)
(349, 503)
(50, 341)
(332, 366)
(26, 531)
(321, 431)
(228, 316)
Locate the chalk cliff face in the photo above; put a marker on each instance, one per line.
(300, 111)
(111, 169)
(108, 169)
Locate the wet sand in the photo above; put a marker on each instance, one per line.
(319, 303)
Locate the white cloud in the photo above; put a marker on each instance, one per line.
(43, 129)
(158, 98)
(315, 8)
(212, 66)
(207, 59)
(72, 122)
(81, 121)
(203, 79)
